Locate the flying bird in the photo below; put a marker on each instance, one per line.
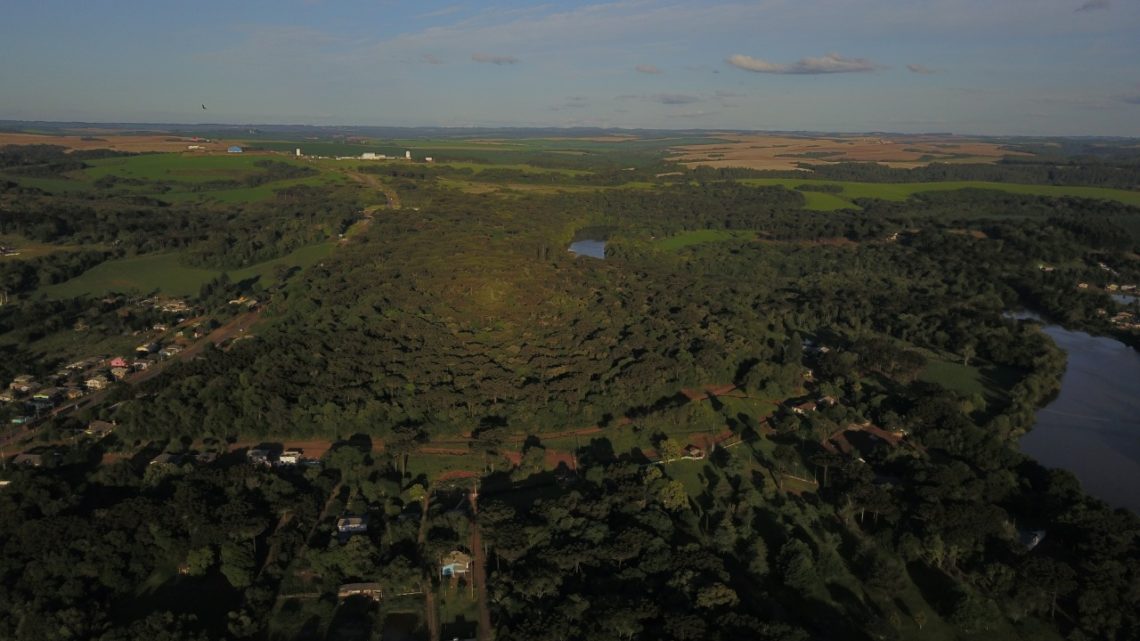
(203, 106)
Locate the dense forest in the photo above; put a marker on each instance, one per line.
(462, 326)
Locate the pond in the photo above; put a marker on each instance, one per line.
(1092, 428)
(589, 247)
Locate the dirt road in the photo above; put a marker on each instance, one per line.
(485, 632)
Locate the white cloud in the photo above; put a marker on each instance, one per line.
(493, 59)
(829, 63)
(650, 69)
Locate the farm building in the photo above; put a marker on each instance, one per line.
(234, 149)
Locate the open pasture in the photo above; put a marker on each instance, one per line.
(166, 273)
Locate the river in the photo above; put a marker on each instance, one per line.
(1092, 428)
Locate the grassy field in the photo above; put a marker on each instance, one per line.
(990, 382)
(901, 191)
(165, 273)
(700, 236)
(185, 174)
(185, 168)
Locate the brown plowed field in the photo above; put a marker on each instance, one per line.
(118, 142)
(766, 151)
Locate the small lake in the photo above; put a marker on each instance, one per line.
(589, 247)
(1092, 428)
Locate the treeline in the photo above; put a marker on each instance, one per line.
(22, 276)
(49, 160)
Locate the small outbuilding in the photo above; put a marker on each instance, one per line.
(234, 149)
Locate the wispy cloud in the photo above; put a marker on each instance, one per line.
(430, 59)
(664, 98)
(674, 98)
(922, 69)
(571, 102)
(650, 69)
(829, 63)
(439, 13)
(1132, 98)
(493, 59)
(1095, 5)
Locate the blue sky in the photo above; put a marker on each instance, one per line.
(1064, 67)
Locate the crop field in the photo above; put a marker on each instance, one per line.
(766, 151)
(902, 191)
(166, 273)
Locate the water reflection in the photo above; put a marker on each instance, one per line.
(1093, 427)
(589, 247)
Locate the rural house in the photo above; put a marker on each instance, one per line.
(455, 564)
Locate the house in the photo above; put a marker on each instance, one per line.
(694, 452)
(145, 349)
(352, 524)
(73, 393)
(829, 401)
(29, 460)
(454, 564)
(47, 396)
(119, 373)
(118, 361)
(804, 408)
(233, 149)
(258, 457)
(21, 420)
(23, 383)
(289, 457)
(169, 351)
(140, 365)
(8, 396)
(369, 590)
(99, 429)
(98, 382)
